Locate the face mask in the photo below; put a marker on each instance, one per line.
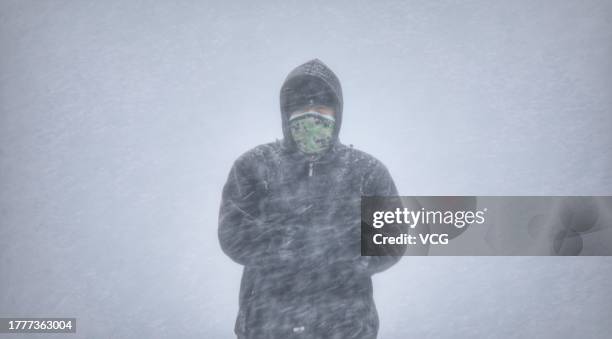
(312, 131)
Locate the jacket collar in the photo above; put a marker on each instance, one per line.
(296, 155)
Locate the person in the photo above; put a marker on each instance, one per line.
(290, 214)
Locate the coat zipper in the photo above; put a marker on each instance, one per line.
(310, 169)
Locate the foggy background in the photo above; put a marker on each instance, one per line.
(120, 120)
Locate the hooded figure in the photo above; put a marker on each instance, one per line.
(290, 214)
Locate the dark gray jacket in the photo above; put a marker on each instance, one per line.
(294, 224)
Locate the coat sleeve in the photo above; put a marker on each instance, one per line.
(378, 183)
(243, 233)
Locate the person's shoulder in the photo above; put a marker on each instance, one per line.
(259, 153)
(372, 170)
(360, 158)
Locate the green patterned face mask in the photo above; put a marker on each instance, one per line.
(312, 131)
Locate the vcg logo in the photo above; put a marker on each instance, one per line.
(434, 239)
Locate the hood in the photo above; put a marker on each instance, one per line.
(311, 79)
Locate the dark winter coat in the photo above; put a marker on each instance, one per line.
(294, 224)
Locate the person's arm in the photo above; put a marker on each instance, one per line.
(346, 259)
(378, 183)
(243, 233)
